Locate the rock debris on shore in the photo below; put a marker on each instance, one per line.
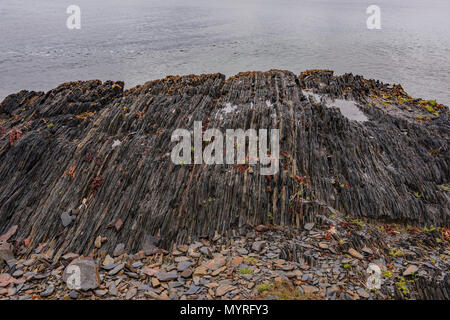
(86, 176)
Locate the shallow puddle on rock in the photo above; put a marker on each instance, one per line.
(348, 108)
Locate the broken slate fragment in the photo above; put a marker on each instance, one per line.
(355, 254)
(109, 266)
(151, 245)
(108, 260)
(223, 289)
(410, 270)
(112, 289)
(131, 293)
(307, 289)
(98, 242)
(261, 228)
(258, 245)
(116, 269)
(167, 276)
(5, 280)
(116, 143)
(118, 225)
(363, 293)
(11, 231)
(242, 251)
(137, 264)
(6, 253)
(184, 265)
(70, 256)
(149, 271)
(48, 292)
(66, 219)
(193, 289)
(367, 250)
(186, 273)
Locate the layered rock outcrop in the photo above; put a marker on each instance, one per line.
(89, 159)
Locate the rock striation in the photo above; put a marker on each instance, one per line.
(90, 159)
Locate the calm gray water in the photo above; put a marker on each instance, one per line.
(141, 40)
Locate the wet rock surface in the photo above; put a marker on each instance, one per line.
(89, 163)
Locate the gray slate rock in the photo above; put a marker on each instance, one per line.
(410, 270)
(258, 246)
(167, 276)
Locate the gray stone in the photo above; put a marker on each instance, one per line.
(206, 251)
(184, 265)
(167, 276)
(333, 289)
(112, 289)
(66, 219)
(116, 270)
(193, 289)
(11, 231)
(242, 251)
(48, 292)
(88, 272)
(308, 226)
(11, 263)
(363, 293)
(6, 252)
(271, 255)
(144, 287)
(131, 293)
(137, 265)
(171, 267)
(355, 254)
(186, 273)
(309, 289)
(100, 293)
(258, 246)
(29, 262)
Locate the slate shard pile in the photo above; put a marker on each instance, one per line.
(89, 160)
(330, 259)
